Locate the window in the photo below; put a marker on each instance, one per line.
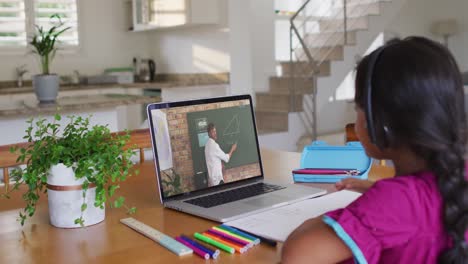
(12, 23)
(19, 17)
(67, 10)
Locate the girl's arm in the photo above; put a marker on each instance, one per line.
(354, 184)
(314, 242)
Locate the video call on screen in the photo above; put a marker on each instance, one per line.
(181, 135)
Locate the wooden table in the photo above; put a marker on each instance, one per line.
(112, 242)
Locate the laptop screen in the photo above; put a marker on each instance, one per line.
(204, 143)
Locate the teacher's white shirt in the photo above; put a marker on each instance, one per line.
(213, 156)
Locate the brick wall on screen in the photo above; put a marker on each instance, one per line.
(180, 141)
(242, 172)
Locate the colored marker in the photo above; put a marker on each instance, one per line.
(236, 231)
(214, 253)
(237, 248)
(267, 241)
(242, 245)
(239, 232)
(214, 243)
(208, 246)
(197, 251)
(233, 234)
(231, 238)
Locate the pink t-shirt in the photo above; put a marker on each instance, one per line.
(398, 220)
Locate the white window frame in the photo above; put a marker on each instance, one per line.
(31, 30)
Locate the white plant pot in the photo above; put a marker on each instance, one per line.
(65, 196)
(46, 87)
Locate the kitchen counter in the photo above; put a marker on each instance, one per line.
(116, 111)
(163, 81)
(69, 104)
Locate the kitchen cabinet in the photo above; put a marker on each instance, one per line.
(4, 99)
(118, 108)
(159, 14)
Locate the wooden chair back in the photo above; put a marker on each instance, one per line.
(140, 139)
(350, 135)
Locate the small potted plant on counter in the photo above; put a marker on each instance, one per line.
(46, 85)
(79, 170)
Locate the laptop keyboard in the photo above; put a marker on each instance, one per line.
(234, 195)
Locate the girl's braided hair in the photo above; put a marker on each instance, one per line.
(417, 94)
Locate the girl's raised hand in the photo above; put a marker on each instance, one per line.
(354, 184)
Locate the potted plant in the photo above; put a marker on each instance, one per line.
(44, 42)
(79, 170)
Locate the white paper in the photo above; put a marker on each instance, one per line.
(278, 223)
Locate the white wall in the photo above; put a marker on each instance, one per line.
(193, 92)
(263, 43)
(105, 42)
(198, 49)
(416, 18)
(194, 49)
(286, 141)
(242, 44)
(240, 50)
(252, 40)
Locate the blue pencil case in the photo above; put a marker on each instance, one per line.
(321, 155)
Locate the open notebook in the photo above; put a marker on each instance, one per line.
(278, 223)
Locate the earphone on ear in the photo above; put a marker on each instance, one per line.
(373, 58)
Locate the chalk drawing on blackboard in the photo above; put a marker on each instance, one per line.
(233, 127)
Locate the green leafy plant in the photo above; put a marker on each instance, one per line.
(94, 154)
(44, 42)
(172, 182)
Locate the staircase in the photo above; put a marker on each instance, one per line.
(273, 107)
(322, 46)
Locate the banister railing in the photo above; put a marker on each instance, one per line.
(303, 26)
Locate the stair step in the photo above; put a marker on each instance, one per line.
(279, 102)
(359, 2)
(271, 131)
(357, 10)
(337, 25)
(329, 39)
(303, 68)
(323, 53)
(282, 85)
(271, 120)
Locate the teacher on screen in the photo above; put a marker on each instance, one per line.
(214, 155)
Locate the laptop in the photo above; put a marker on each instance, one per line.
(208, 163)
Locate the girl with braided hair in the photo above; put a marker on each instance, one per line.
(410, 109)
